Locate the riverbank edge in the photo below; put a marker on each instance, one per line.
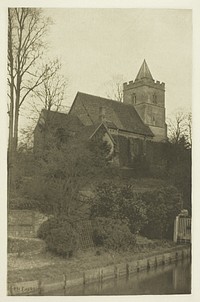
(40, 287)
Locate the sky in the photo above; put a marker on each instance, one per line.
(96, 44)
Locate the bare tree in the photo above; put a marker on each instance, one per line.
(180, 128)
(26, 30)
(51, 93)
(188, 125)
(114, 88)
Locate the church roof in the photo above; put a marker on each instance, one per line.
(119, 115)
(144, 72)
(59, 120)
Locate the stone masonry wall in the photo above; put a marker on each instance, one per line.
(24, 223)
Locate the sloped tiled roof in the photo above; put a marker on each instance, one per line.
(144, 72)
(60, 120)
(122, 116)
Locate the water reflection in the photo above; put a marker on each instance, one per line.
(170, 279)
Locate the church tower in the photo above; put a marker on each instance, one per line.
(148, 98)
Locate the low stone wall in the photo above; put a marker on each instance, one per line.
(24, 223)
(40, 287)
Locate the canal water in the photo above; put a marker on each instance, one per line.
(169, 279)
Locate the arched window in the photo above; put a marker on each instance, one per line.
(133, 98)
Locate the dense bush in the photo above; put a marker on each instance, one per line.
(60, 236)
(162, 207)
(112, 234)
(45, 228)
(119, 203)
(152, 213)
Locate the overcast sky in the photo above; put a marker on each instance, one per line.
(95, 44)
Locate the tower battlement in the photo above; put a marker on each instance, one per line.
(143, 82)
(148, 97)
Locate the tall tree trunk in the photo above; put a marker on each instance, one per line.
(11, 109)
(16, 126)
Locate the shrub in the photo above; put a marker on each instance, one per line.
(45, 228)
(121, 203)
(152, 212)
(162, 207)
(112, 234)
(60, 236)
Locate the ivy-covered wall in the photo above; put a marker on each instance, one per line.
(143, 155)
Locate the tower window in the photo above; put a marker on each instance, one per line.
(154, 98)
(133, 98)
(153, 120)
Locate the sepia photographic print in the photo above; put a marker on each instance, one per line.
(99, 151)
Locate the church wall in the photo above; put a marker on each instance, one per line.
(155, 115)
(144, 103)
(143, 156)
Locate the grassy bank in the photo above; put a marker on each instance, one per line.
(48, 266)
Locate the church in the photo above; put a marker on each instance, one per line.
(132, 128)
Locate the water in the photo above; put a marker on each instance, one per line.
(170, 279)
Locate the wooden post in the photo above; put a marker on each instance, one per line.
(176, 221)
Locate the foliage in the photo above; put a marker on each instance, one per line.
(152, 213)
(119, 203)
(45, 228)
(28, 75)
(162, 207)
(60, 236)
(178, 170)
(112, 234)
(61, 172)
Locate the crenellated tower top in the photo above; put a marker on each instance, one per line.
(148, 98)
